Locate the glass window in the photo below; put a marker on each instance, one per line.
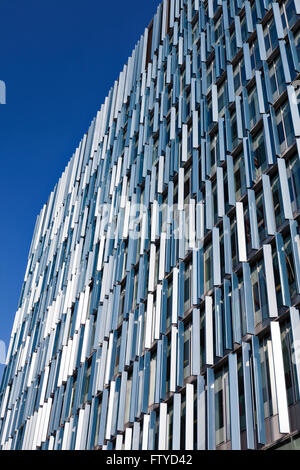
(293, 172)
(292, 444)
(208, 268)
(284, 127)
(239, 176)
(218, 29)
(244, 29)
(222, 99)
(266, 382)
(247, 227)
(260, 159)
(182, 423)
(254, 13)
(187, 350)
(156, 267)
(258, 281)
(195, 32)
(290, 264)
(169, 304)
(241, 394)
(202, 338)
(277, 279)
(168, 366)
(297, 42)
(155, 150)
(222, 257)
(209, 114)
(277, 201)
(152, 378)
(187, 286)
(289, 363)
(260, 216)
(121, 306)
(222, 406)
(128, 398)
(135, 287)
(253, 107)
(288, 14)
(270, 35)
(277, 78)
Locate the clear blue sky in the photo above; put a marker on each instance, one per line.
(59, 59)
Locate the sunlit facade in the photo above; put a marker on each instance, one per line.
(160, 305)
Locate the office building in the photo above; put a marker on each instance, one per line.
(160, 305)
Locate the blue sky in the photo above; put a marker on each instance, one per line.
(59, 59)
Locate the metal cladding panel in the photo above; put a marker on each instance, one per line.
(284, 60)
(196, 342)
(136, 436)
(173, 363)
(216, 256)
(128, 439)
(247, 380)
(284, 424)
(176, 421)
(180, 355)
(103, 417)
(268, 204)
(270, 281)
(211, 437)
(220, 192)
(230, 83)
(294, 109)
(121, 413)
(162, 436)
(227, 245)
(239, 117)
(214, 95)
(255, 243)
(278, 22)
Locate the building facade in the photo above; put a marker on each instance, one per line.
(160, 305)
